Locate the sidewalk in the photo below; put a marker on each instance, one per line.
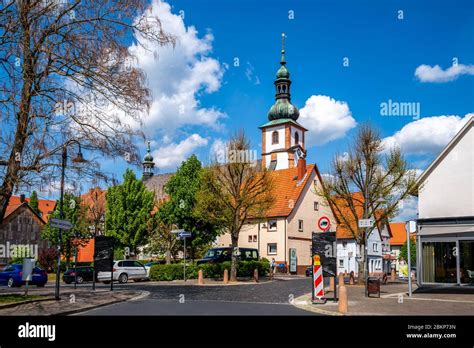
(394, 300)
(72, 301)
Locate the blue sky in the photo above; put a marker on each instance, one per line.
(201, 97)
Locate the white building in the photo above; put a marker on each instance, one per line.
(445, 238)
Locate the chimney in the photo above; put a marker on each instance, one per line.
(301, 168)
(22, 198)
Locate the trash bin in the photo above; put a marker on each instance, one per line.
(373, 286)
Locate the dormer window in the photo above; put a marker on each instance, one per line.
(275, 137)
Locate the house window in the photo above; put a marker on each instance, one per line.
(341, 263)
(272, 225)
(344, 245)
(255, 238)
(273, 165)
(316, 206)
(250, 239)
(375, 247)
(297, 138)
(271, 248)
(300, 225)
(275, 137)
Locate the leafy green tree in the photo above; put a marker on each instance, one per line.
(34, 204)
(404, 251)
(128, 210)
(74, 212)
(180, 211)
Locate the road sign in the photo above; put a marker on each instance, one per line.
(177, 231)
(62, 224)
(366, 223)
(184, 234)
(324, 223)
(318, 278)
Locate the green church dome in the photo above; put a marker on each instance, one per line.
(283, 109)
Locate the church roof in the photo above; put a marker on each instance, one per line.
(281, 121)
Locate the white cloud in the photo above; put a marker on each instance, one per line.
(326, 119)
(428, 135)
(408, 209)
(217, 150)
(178, 76)
(427, 73)
(171, 155)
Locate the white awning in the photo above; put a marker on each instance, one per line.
(445, 229)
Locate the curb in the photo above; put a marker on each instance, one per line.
(14, 304)
(312, 308)
(79, 310)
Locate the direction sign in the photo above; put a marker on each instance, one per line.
(324, 223)
(366, 223)
(184, 234)
(62, 224)
(177, 231)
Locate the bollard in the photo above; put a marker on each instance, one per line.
(226, 276)
(331, 283)
(342, 305)
(392, 275)
(255, 275)
(200, 277)
(351, 278)
(341, 279)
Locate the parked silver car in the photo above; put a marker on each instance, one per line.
(123, 270)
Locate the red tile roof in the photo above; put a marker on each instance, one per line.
(399, 233)
(287, 189)
(45, 206)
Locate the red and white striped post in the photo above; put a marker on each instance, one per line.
(318, 282)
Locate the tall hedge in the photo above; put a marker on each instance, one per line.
(210, 270)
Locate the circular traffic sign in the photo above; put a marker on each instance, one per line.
(324, 223)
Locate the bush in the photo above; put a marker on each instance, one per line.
(172, 272)
(210, 270)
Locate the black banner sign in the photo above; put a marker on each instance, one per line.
(103, 253)
(324, 245)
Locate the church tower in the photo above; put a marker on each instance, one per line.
(147, 164)
(282, 135)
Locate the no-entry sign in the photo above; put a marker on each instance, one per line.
(324, 223)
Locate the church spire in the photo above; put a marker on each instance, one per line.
(283, 109)
(148, 163)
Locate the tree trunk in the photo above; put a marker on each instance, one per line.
(233, 267)
(168, 257)
(361, 273)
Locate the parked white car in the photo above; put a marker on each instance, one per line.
(123, 270)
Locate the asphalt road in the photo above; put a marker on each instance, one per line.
(272, 298)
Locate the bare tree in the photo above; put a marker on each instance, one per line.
(236, 193)
(366, 183)
(66, 73)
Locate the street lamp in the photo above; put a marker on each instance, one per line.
(78, 159)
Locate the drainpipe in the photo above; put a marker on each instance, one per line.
(285, 249)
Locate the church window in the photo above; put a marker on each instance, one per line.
(273, 165)
(297, 138)
(275, 137)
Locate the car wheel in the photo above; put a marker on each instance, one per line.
(79, 280)
(10, 283)
(123, 278)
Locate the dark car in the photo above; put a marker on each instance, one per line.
(218, 255)
(83, 273)
(12, 276)
(309, 271)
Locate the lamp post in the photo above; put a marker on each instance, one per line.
(78, 159)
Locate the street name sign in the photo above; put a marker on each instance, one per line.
(366, 223)
(184, 234)
(58, 223)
